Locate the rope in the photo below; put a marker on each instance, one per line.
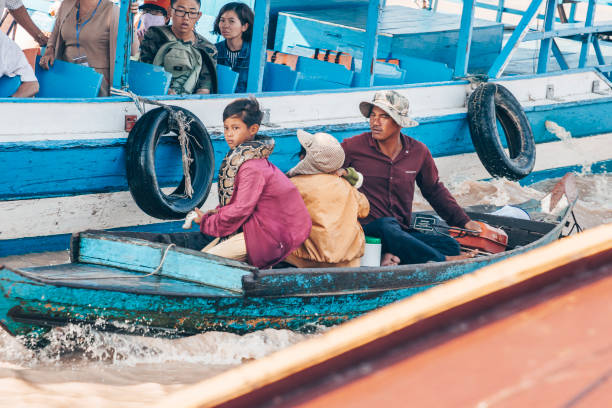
(73, 278)
(182, 123)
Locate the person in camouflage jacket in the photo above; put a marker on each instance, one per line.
(155, 38)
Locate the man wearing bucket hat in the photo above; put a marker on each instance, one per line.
(336, 238)
(392, 163)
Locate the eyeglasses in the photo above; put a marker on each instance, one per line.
(182, 13)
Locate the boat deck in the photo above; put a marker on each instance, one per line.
(525, 59)
(402, 31)
(99, 277)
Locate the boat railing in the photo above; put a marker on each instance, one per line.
(587, 33)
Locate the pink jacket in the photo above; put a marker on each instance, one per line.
(270, 211)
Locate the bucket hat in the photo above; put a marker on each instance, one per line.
(324, 154)
(394, 104)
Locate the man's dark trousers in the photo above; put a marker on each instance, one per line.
(411, 246)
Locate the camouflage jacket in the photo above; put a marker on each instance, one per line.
(154, 38)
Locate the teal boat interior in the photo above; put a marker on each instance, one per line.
(111, 260)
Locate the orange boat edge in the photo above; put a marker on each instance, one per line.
(533, 330)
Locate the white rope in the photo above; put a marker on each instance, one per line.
(76, 278)
(180, 119)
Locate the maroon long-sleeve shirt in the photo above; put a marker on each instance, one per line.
(389, 184)
(270, 210)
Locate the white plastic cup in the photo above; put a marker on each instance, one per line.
(372, 253)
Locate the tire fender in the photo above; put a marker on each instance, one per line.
(488, 104)
(140, 165)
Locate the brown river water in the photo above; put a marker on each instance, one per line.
(83, 367)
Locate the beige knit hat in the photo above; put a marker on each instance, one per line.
(324, 154)
(394, 104)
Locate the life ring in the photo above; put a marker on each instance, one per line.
(140, 165)
(488, 104)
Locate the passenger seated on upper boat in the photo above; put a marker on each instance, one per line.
(85, 33)
(13, 63)
(185, 54)
(153, 13)
(260, 215)
(391, 163)
(235, 23)
(336, 238)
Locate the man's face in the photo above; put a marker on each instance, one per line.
(382, 125)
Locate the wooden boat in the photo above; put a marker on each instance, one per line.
(137, 286)
(63, 157)
(526, 331)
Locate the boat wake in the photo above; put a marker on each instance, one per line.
(75, 343)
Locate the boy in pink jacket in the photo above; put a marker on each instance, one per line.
(261, 216)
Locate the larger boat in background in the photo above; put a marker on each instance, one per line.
(62, 154)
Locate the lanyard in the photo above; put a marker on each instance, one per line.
(79, 28)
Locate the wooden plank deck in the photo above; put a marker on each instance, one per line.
(525, 58)
(471, 341)
(402, 30)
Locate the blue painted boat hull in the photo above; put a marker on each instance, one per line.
(127, 299)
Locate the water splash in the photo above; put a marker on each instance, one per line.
(75, 343)
(566, 137)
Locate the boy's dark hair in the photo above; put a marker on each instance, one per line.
(244, 13)
(246, 109)
(197, 1)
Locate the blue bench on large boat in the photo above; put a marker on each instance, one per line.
(279, 78)
(66, 80)
(226, 79)
(322, 75)
(148, 79)
(420, 70)
(310, 74)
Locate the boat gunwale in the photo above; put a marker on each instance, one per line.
(556, 229)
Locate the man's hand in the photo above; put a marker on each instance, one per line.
(472, 225)
(341, 172)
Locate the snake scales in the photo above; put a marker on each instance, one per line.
(259, 148)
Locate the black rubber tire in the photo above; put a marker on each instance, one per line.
(487, 104)
(140, 166)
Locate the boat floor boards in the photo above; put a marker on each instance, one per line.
(97, 277)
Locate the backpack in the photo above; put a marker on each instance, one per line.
(182, 60)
